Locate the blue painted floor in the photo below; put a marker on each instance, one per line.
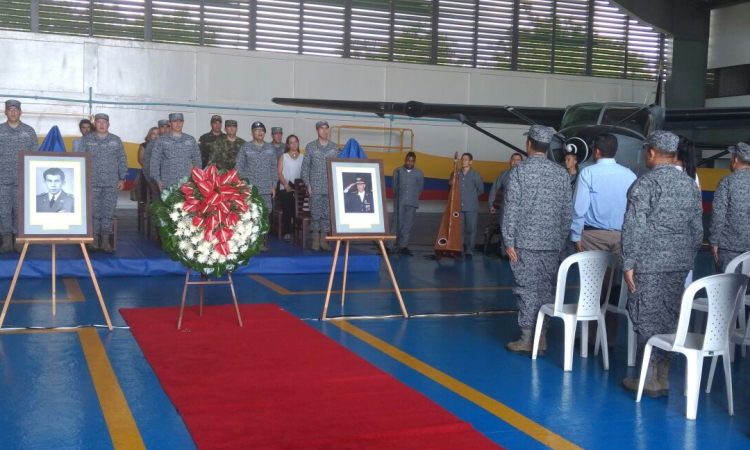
(48, 399)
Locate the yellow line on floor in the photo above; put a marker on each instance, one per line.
(503, 412)
(284, 291)
(122, 428)
(281, 290)
(72, 288)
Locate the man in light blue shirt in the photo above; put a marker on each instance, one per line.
(599, 205)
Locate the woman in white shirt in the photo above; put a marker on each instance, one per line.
(289, 168)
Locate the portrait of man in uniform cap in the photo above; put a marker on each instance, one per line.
(359, 198)
(55, 200)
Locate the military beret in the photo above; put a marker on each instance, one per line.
(742, 150)
(101, 116)
(230, 123)
(275, 130)
(176, 116)
(321, 123)
(258, 125)
(12, 103)
(163, 122)
(215, 118)
(665, 141)
(540, 133)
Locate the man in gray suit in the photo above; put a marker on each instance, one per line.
(661, 234)
(407, 183)
(472, 187)
(537, 212)
(55, 199)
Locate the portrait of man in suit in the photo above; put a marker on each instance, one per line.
(55, 200)
(359, 200)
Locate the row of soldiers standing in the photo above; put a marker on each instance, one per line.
(661, 231)
(108, 170)
(171, 156)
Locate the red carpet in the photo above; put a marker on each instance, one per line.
(278, 383)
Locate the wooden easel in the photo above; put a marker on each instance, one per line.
(348, 240)
(204, 282)
(54, 241)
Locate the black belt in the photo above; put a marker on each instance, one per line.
(590, 228)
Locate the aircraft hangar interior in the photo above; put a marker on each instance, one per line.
(439, 78)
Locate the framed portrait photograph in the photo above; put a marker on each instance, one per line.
(356, 189)
(54, 195)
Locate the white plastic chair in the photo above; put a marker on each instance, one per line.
(592, 266)
(724, 294)
(621, 308)
(701, 304)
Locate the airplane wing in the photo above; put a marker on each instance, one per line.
(707, 118)
(515, 115)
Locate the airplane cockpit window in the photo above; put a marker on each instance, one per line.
(640, 120)
(581, 115)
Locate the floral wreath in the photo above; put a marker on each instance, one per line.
(212, 222)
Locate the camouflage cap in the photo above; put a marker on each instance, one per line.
(742, 150)
(216, 118)
(230, 123)
(275, 130)
(258, 124)
(321, 123)
(176, 116)
(12, 104)
(540, 133)
(665, 141)
(163, 123)
(101, 116)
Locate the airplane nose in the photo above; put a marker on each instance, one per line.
(578, 147)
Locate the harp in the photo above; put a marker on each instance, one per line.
(448, 241)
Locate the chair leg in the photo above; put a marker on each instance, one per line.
(693, 382)
(537, 333)
(570, 342)
(597, 341)
(728, 378)
(711, 374)
(602, 331)
(585, 339)
(732, 348)
(632, 344)
(644, 370)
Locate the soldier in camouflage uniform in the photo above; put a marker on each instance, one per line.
(223, 152)
(730, 223)
(15, 137)
(164, 128)
(108, 171)
(536, 221)
(205, 141)
(276, 140)
(256, 161)
(472, 187)
(173, 154)
(661, 234)
(315, 175)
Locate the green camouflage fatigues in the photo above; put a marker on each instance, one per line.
(223, 153)
(12, 141)
(108, 166)
(661, 234)
(204, 142)
(315, 175)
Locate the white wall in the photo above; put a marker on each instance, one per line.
(122, 71)
(729, 38)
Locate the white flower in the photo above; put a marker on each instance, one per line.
(195, 239)
(190, 253)
(183, 245)
(243, 248)
(202, 259)
(255, 230)
(222, 259)
(177, 206)
(175, 216)
(205, 246)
